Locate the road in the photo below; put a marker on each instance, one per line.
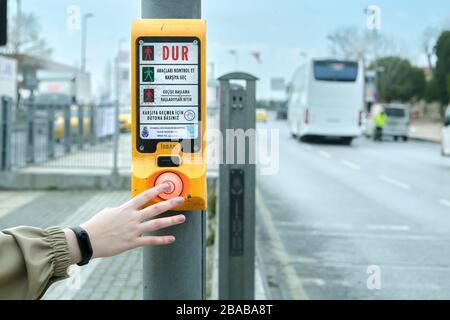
(334, 217)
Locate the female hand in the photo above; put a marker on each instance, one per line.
(115, 230)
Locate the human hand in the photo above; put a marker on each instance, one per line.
(115, 230)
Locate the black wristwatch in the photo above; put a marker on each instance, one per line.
(85, 245)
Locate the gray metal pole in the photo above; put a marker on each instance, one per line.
(115, 169)
(177, 271)
(8, 135)
(5, 133)
(171, 9)
(83, 43)
(80, 126)
(92, 125)
(51, 131)
(2, 132)
(30, 132)
(84, 39)
(67, 129)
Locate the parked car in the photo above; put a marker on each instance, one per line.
(261, 115)
(446, 134)
(59, 124)
(397, 124)
(125, 119)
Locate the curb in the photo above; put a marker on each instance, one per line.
(59, 181)
(424, 140)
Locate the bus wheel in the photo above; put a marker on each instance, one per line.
(405, 138)
(395, 138)
(305, 139)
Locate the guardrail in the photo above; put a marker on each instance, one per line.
(59, 136)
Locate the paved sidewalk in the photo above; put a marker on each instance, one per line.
(114, 278)
(425, 130)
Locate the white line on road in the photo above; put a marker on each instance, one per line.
(350, 165)
(315, 281)
(388, 227)
(324, 154)
(394, 182)
(290, 224)
(293, 282)
(445, 202)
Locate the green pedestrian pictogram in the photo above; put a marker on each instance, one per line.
(149, 74)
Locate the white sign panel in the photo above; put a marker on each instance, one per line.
(168, 75)
(169, 53)
(159, 132)
(176, 74)
(169, 95)
(174, 115)
(8, 77)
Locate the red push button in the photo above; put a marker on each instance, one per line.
(175, 182)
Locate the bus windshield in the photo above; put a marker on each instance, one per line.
(331, 70)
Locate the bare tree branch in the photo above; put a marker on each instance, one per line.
(30, 42)
(356, 44)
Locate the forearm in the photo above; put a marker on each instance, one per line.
(72, 244)
(31, 259)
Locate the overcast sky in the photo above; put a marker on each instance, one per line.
(280, 30)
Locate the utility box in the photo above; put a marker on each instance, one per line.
(236, 186)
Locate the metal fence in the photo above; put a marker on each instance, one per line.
(56, 136)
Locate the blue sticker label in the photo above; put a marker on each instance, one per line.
(144, 133)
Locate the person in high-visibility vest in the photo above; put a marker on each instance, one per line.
(380, 121)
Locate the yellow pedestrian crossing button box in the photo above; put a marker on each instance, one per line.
(169, 108)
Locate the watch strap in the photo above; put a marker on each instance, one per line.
(84, 244)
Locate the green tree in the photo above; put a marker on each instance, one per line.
(448, 84)
(432, 91)
(442, 72)
(399, 80)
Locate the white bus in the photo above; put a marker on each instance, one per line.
(326, 100)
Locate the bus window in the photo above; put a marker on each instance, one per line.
(335, 71)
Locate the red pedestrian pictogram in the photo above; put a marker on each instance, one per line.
(149, 95)
(148, 53)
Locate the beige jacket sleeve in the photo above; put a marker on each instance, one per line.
(31, 260)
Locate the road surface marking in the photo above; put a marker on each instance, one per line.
(315, 281)
(324, 154)
(394, 182)
(350, 165)
(388, 227)
(290, 224)
(292, 280)
(304, 260)
(364, 234)
(444, 202)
